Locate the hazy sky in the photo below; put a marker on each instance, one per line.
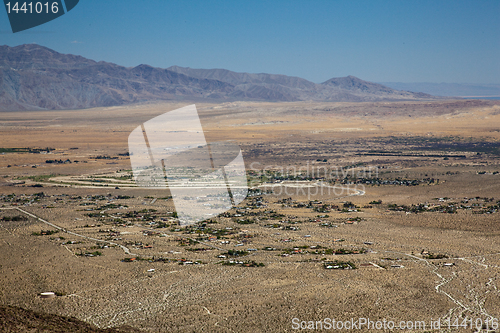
(405, 41)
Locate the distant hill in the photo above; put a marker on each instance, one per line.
(343, 89)
(449, 89)
(365, 90)
(35, 77)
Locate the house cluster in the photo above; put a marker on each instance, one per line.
(315, 205)
(242, 263)
(429, 255)
(476, 205)
(318, 249)
(281, 226)
(398, 181)
(111, 234)
(45, 232)
(336, 264)
(22, 199)
(60, 161)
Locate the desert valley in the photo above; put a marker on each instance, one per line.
(375, 209)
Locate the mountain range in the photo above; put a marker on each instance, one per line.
(33, 77)
(449, 89)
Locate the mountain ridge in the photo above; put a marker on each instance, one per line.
(449, 89)
(34, 77)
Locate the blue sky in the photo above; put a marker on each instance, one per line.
(381, 41)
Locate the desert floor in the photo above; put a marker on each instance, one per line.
(413, 206)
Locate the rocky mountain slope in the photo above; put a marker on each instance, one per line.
(18, 320)
(35, 77)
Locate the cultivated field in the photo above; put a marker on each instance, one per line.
(387, 210)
